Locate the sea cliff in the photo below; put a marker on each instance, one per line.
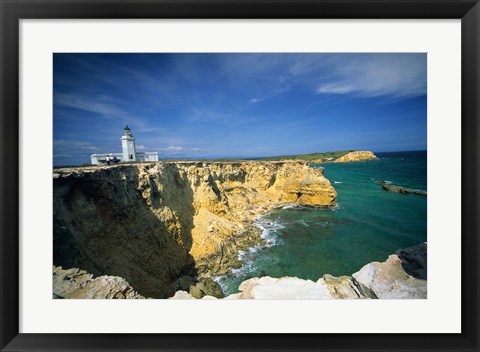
(359, 155)
(339, 157)
(164, 226)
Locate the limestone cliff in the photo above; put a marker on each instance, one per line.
(154, 223)
(76, 283)
(359, 155)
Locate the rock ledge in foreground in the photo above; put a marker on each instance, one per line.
(402, 276)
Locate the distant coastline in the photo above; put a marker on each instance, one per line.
(321, 157)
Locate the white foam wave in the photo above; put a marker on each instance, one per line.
(248, 267)
(302, 222)
(382, 181)
(337, 182)
(336, 207)
(241, 254)
(269, 234)
(269, 231)
(219, 280)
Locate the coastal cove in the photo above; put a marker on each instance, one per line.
(367, 224)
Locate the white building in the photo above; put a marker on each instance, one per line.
(129, 152)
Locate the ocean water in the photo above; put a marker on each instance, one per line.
(368, 224)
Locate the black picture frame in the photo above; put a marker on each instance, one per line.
(11, 11)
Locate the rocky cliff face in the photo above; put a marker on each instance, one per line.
(154, 223)
(76, 283)
(360, 155)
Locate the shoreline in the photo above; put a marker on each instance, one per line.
(230, 257)
(258, 241)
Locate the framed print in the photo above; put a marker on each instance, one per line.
(239, 176)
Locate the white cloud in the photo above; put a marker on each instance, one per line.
(96, 105)
(63, 143)
(174, 148)
(71, 148)
(382, 75)
(336, 88)
(271, 92)
(365, 75)
(106, 107)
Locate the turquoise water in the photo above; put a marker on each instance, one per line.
(367, 225)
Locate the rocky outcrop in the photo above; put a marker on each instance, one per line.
(345, 287)
(186, 295)
(402, 276)
(403, 190)
(283, 288)
(359, 155)
(206, 287)
(155, 223)
(76, 283)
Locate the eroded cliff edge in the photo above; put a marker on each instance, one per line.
(358, 155)
(154, 224)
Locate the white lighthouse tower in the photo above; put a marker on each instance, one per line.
(129, 152)
(128, 145)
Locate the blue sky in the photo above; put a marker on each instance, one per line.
(238, 105)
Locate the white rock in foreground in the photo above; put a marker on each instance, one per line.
(283, 288)
(186, 295)
(390, 280)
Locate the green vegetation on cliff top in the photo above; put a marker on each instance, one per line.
(308, 157)
(319, 157)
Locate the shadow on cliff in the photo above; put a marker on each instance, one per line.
(414, 260)
(118, 222)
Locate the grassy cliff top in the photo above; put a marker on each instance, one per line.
(315, 157)
(308, 157)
